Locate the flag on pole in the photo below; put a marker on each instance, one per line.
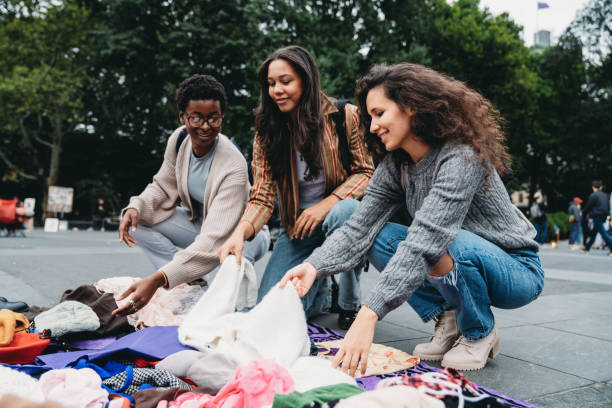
(542, 5)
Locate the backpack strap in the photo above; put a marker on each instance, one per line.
(180, 138)
(339, 120)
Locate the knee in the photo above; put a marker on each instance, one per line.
(443, 267)
(141, 233)
(463, 248)
(339, 213)
(469, 252)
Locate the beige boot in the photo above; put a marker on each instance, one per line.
(445, 334)
(472, 355)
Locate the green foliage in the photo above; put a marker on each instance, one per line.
(561, 220)
(98, 79)
(41, 86)
(87, 191)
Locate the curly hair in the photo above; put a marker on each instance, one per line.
(200, 87)
(445, 110)
(274, 128)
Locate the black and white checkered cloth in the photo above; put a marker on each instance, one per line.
(151, 376)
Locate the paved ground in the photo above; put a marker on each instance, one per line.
(555, 352)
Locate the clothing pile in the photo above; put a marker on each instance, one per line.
(216, 357)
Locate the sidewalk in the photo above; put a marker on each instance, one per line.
(555, 352)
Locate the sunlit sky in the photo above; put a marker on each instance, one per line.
(555, 18)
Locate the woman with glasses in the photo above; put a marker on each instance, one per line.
(207, 173)
(297, 159)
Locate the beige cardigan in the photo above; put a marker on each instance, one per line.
(225, 198)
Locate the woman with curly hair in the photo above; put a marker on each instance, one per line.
(467, 249)
(297, 158)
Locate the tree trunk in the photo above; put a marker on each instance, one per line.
(29, 147)
(56, 150)
(532, 189)
(534, 171)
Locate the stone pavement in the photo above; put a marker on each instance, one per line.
(555, 352)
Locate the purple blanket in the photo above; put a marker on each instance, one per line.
(319, 333)
(153, 343)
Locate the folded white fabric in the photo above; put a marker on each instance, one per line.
(247, 286)
(275, 329)
(19, 384)
(67, 317)
(313, 372)
(208, 369)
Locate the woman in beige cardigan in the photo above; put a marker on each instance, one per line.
(208, 174)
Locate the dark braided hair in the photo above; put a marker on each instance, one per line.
(200, 87)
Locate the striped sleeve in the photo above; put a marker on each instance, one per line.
(361, 162)
(261, 197)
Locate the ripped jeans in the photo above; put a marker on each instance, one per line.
(483, 275)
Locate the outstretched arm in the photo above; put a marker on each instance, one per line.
(347, 246)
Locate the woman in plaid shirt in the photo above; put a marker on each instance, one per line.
(296, 159)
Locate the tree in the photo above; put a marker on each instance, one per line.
(593, 123)
(555, 157)
(97, 79)
(471, 45)
(42, 85)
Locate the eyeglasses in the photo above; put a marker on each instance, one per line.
(198, 121)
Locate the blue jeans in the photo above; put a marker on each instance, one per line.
(483, 275)
(574, 235)
(598, 227)
(541, 228)
(289, 252)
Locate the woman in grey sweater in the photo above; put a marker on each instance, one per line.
(468, 248)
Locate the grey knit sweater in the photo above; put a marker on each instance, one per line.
(444, 192)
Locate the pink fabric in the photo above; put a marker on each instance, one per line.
(253, 386)
(166, 307)
(189, 400)
(73, 388)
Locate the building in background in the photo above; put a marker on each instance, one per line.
(541, 39)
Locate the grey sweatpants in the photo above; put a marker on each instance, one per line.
(161, 241)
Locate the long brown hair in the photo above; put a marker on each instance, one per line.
(274, 128)
(445, 110)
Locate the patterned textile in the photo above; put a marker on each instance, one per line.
(447, 375)
(320, 334)
(447, 385)
(381, 359)
(129, 381)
